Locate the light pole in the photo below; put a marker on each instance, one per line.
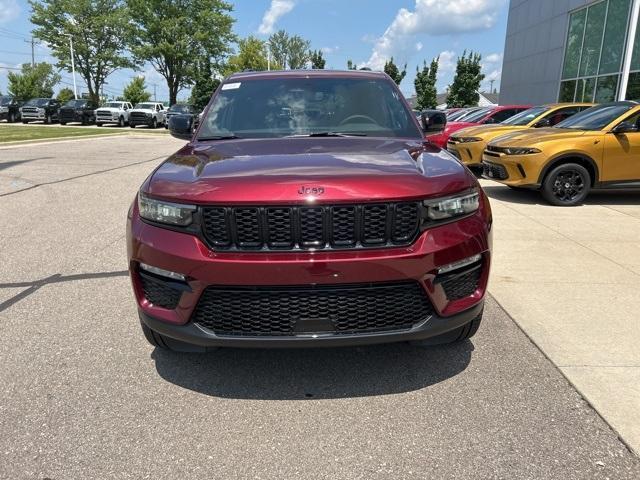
(73, 65)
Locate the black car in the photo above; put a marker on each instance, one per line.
(80, 110)
(9, 109)
(45, 109)
(183, 109)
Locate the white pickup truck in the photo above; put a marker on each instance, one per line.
(151, 114)
(114, 112)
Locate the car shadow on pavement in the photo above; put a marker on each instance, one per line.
(532, 197)
(302, 374)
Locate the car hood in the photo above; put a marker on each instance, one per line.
(283, 171)
(484, 131)
(536, 135)
(109, 109)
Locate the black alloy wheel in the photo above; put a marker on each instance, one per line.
(566, 185)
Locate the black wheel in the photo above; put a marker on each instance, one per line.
(25, 121)
(121, 122)
(11, 118)
(154, 123)
(98, 124)
(454, 336)
(132, 125)
(165, 343)
(62, 123)
(566, 185)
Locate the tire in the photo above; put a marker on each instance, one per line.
(566, 185)
(121, 122)
(132, 125)
(98, 124)
(25, 122)
(11, 118)
(165, 343)
(63, 123)
(154, 123)
(458, 335)
(48, 120)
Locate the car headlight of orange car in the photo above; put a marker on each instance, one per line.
(468, 139)
(520, 151)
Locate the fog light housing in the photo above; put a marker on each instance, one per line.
(459, 264)
(163, 273)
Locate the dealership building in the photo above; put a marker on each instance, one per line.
(571, 50)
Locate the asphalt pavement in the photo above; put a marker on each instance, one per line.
(83, 396)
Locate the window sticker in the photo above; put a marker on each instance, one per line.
(231, 86)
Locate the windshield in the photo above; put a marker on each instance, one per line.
(180, 109)
(146, 106)
(76, 103)
(454, 116)
(114, 104)
(595, 118)
(281, 107)
(475, 116)
(37, 102)
(5, 100)
(526, 117)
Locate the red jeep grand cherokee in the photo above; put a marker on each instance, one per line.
(308, 210)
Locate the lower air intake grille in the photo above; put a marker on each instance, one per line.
(158, 293)
(281, 311)
(461, 285)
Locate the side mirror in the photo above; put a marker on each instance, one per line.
(625, 127)
(544, 122)
(180, 127)
(433, 121)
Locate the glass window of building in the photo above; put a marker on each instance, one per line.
(594, 51)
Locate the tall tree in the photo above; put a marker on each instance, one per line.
(252, 55)
(98, 29)
(289, 51)
(204, 85)
(173, 35)
(466, 82)
(64, 95)
(351, 65)
(35, 81)
(136, 91)
(394, 72)
(425, 83)
(298, 55)
(317, 59)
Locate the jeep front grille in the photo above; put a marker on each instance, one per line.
(313, 227)
(328, 309)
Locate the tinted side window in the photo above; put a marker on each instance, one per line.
(562, 114)
(503, 115)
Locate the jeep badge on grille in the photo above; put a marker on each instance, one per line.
(303, 190)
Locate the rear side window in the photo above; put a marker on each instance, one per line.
(502, 115)
(562, 114)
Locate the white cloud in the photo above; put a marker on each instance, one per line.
(493, 58)
(330, 50)
(277, 9)
(419, 46)
(447, 61)
(492, 69)
(9, 10)
(432, 17)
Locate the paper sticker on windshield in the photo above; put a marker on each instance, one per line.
(231, 86)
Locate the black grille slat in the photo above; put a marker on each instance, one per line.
(159, 293)
(284, 311)
(461, 285)
(312, 227)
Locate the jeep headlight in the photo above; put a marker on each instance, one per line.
(165, 212)
(453, 206)
(468, 139)
(520, 151)
(4, 109)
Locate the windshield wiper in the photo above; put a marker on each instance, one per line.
(217, 137)
(327, 134)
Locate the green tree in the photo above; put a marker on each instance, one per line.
(65, 95)
(252, 55)
(351, 65)
(98, 29)
(425, 83)
(174, 35)
(394, 72)
(204, 85)
(289, 52)
(136, 91)
(33, 81)
(466, 82)
(317, 59)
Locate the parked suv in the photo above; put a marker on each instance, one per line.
(9, 109)
(308, 210)
(45, 109)
(151, 114)
(80, 110)
(183, 109)
(598, 148)
(113, 112)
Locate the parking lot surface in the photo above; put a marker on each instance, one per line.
(82, 395)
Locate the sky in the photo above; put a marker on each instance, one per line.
(365, 31)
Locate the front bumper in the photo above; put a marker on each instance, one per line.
(186, 254)
(469, 153)
(33, 116)
(515, 170)
(141, 121)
